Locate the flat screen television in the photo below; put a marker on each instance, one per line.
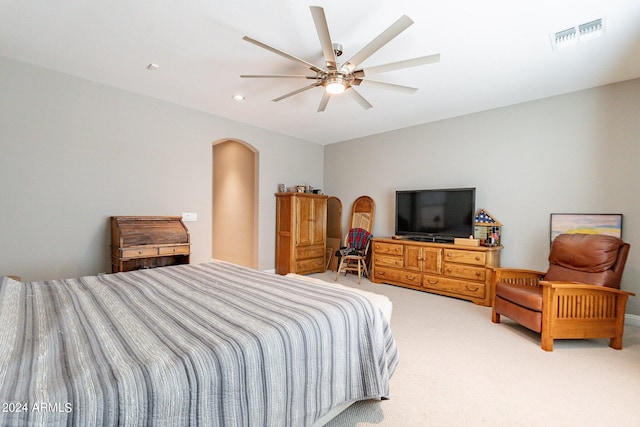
(435, 215)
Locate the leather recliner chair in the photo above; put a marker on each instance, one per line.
(578, 297)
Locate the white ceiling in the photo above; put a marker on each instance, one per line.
(493, 53)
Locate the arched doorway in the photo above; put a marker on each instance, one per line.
(235, 195)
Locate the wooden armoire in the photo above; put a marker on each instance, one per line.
(301, 227)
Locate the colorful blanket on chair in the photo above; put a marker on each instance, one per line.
(357, 239)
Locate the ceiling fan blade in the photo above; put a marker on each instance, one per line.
(277, 76)
(322, 29)
(407, 63)
(284, 54)
(358, 98)
(385, 37)
(324, 101)
(388, 86)
(295, 92)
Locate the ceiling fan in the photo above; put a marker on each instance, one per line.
(337, 78)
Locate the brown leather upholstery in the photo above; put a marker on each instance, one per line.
(587, 258)
(528, 318)
(581, 260)
(525, 296)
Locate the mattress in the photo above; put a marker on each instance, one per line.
(210, 344)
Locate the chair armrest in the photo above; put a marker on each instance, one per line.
(515, 276)
(578, 310)
(583, 287)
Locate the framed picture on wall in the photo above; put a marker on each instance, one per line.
(607, 224)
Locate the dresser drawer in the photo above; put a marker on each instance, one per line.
(388, 248)
(465, 272)
(139, 252)
(173, 250)
(439, 283)
(465, 257)
(390, 275)
(310, 265)
(310, 252)
(389, 261)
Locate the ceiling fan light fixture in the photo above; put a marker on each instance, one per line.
(335, 78)
(335, 85)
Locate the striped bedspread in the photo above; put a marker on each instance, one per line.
(206, 345)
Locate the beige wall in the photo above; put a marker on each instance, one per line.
(576, 153)
(73, 152)
(234, 203)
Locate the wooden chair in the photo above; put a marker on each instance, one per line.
(362, 213)
(353, 256)
(578, 297)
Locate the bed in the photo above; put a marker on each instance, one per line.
(211, 344)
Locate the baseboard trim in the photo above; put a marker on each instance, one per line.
(632, 319)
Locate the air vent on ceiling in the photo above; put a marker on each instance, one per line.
(591, 30)
(578, 33)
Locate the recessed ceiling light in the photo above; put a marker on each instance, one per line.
(152, 67)
(237, 98)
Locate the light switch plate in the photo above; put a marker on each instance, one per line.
(189, 216)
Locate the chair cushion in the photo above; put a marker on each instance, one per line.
(585, 258)
(591, 253)
(349, 251)
(522, 295)
(528, 318)
(557, 273)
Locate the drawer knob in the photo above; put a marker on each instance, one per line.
(140, 252)
(469, 288)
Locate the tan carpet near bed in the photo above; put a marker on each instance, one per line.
(458, 369)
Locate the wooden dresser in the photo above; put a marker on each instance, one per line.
(148, 241)
(301, 228)
(454, 270)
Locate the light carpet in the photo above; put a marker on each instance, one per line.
(457, 368)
